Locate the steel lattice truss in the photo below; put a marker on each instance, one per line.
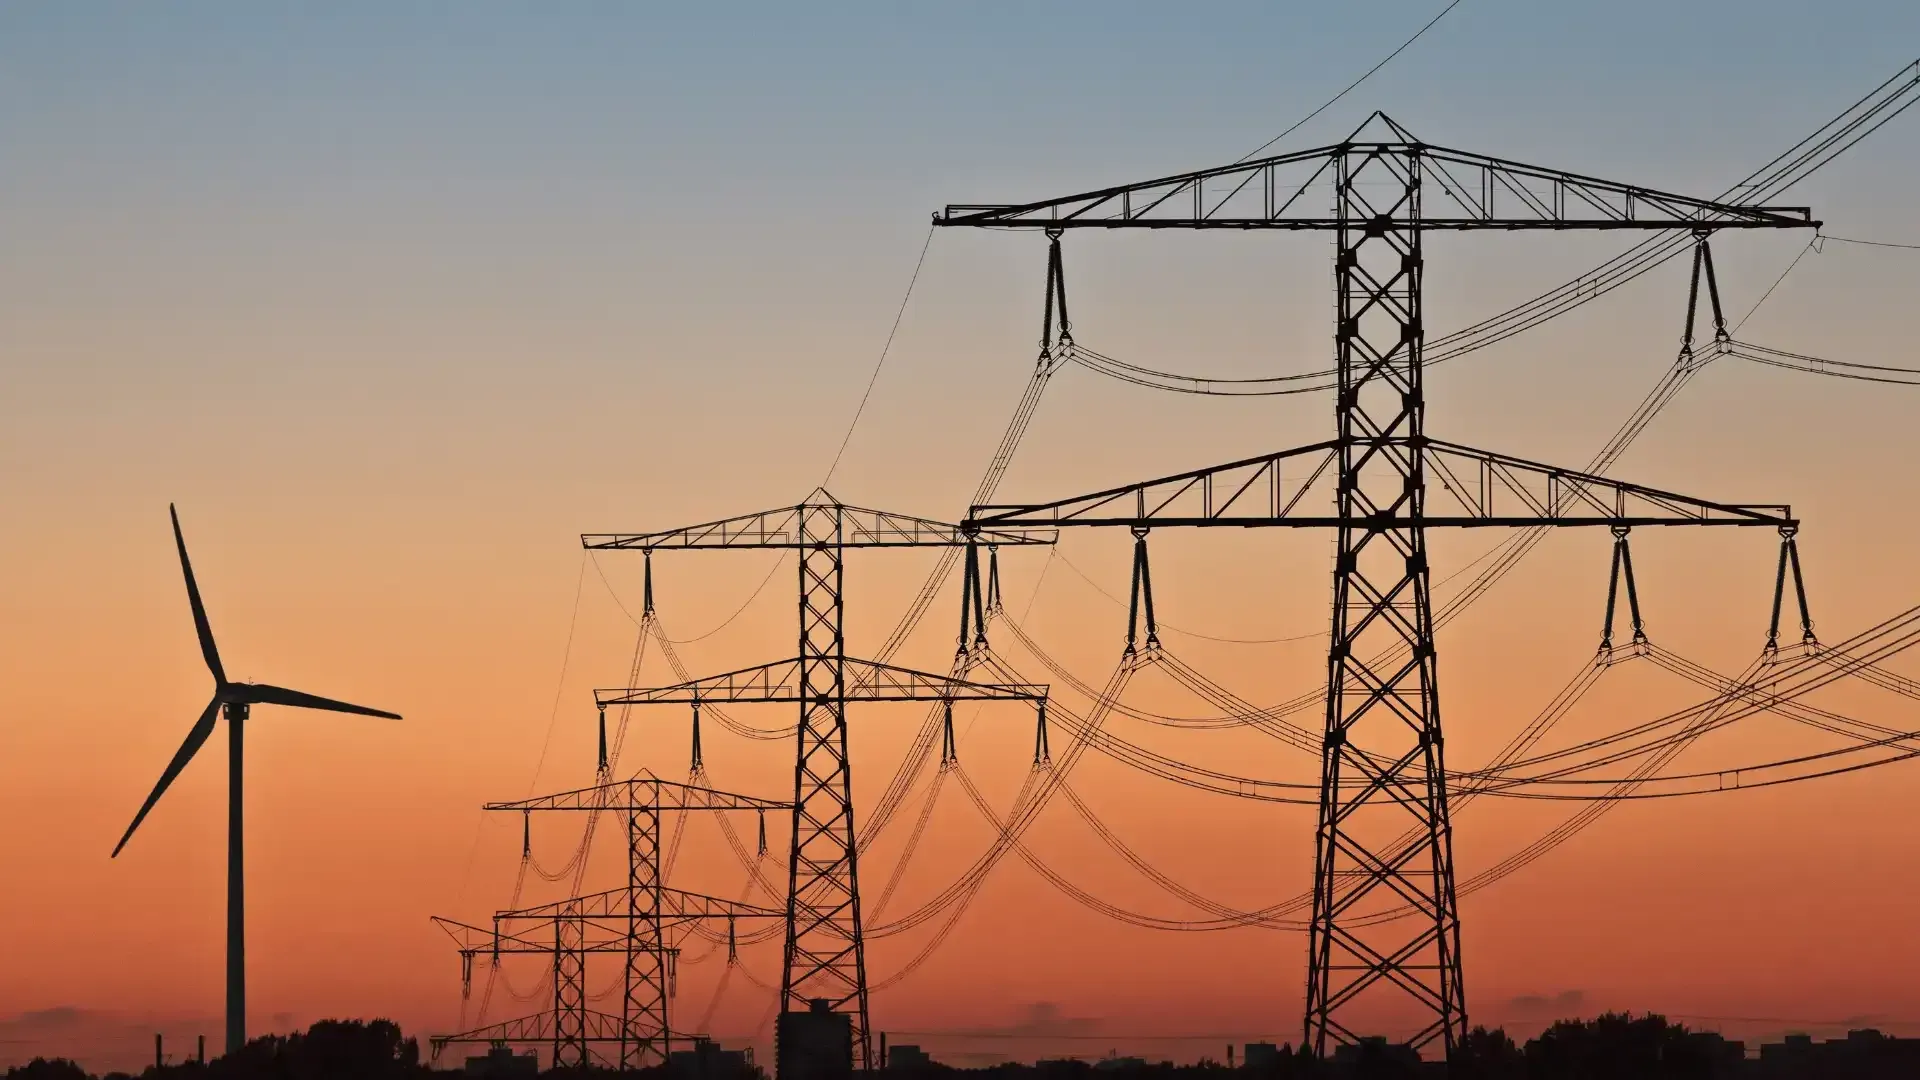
(825, 949)
(782, 683)
(595, 1028)
(636, 922)
(1383, 765)
(607, 911)
(1464, 191)
(642, 793)
(540, 1028)
(1300, 487)
(786, 528)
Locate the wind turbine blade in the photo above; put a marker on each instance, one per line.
(200, 626)
(196, 737)
(263, 694)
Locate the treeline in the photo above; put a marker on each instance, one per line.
(329, 1050)
(374, 1049)
(1616, 1046)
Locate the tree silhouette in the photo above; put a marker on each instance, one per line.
(48, 1069)
(1488, 1055)
(373, 1049)
(1619, 1046)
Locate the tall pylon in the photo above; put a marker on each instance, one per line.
(1385, 919)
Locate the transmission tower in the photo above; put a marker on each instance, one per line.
(1384, 913)
(825, 953)
(567, 934)
(637, 922)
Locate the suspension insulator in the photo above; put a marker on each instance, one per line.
(646, 604)
(993, 578)
(699, 762)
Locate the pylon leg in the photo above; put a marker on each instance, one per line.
(569, 990)
(825, 952)
(644, 1028)
(1384, 842)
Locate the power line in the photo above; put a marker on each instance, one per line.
(1165, 625)
(882, 362)
(566, 659)
(1330, 102)
(724, 623)
(1812, 245)
(1793, 1021)
(1870, 243)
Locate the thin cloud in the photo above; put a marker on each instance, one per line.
(1565, 1002)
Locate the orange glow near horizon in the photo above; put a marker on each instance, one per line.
(393, 335)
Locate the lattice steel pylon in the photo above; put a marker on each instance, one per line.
(1384, 909)
(635, 922)
(566, 934)
(825, 948)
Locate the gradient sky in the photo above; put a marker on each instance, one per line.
(395, 302)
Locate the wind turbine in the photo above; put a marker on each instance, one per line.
(235, 699)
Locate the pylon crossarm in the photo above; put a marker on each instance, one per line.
(615, 904)
(778, 681)
(1250, 490)
(610, 942)
(1464, 191)
(869, 680)
(1499, 489)
(780, 528)
(521, 940)
(642, 793)
(538, 1028)
(1469, 488)
(468, 938)
(866, 680)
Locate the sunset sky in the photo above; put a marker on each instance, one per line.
(396, 301)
